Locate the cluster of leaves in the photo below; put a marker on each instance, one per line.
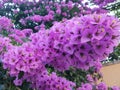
(77, 75)
(115, 8)
(6, 82)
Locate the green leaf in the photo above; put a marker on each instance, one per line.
(20, 74)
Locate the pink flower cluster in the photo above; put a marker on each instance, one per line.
(48, 11)
(22, 58)
(5, 24)
(4, 45)
(53, 82)
(27, 59)
(81, 42)
(103, 2)
(19, 36)
(100, 86)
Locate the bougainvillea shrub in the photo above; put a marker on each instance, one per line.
(71, 43)
(56, 45)
(37, 14)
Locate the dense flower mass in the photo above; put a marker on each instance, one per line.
(36, 12)
(103, 2)
(4, 45)
(27, 59)
(100, 86)
(5, 24)
(20, 36)
(53, 82)
(80, 43)
(39, 42)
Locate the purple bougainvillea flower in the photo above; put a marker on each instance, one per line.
(102, 86)
(87, 35)
(17, 82)
(99, 34)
